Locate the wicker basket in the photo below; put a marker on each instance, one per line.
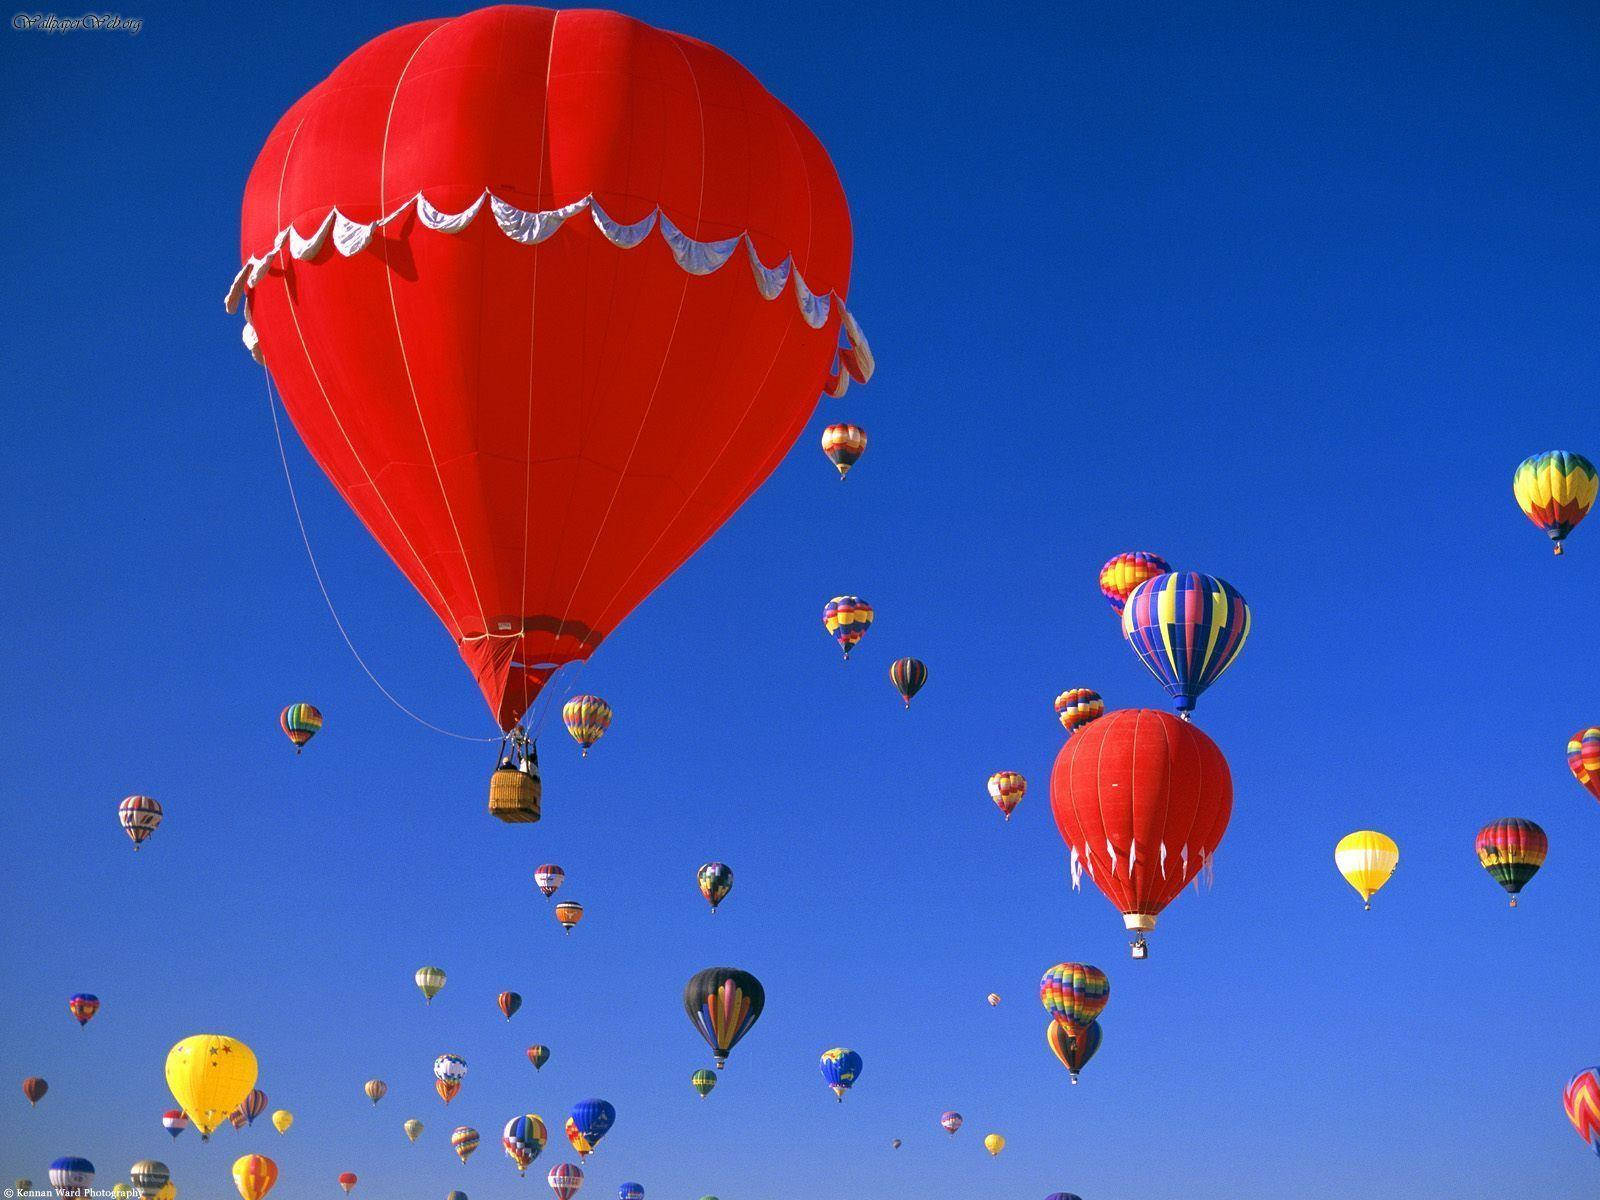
(514, 795)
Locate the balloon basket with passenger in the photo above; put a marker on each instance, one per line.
(514, 787)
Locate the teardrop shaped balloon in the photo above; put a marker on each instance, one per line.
(703, 1081)
(430, 982)
(586, 718)
(139, 816)
(209, 1075)
(994, 999)
(464, 1140)
(1366, 859)
(300, 723)
(348, 1181)
(579, 340)
(1074, 1047)
(509, 1002)
(548, 878)
(83, 1007)
(1077, 707)
(569, 913)
(1125, 572)
(1583, 759)
(716, 881)
(565, 1179)
(1512, 851)
(1556, 490)
(253, 1105)
(376, 1089)
(148, 1177)
(840, 1069)
(847, 619)
(723, 1003)
(282, 1119)
(588, 1122)
(908, 675)
(844, 445)
(254, 1175)
(1006, 789)
(994, 1143)
(175, 1121)
(34, 1089)
(523, 1139)
(538, 1056)
(1187, 629)
(413, 1129)
(950, 1122)
(1142, 801)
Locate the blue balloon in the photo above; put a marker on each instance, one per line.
(592, 1118)
(630, 1191)
(840, 1068)
(1063, 1196)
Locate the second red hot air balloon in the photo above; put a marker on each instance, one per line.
(1142, 800)
(532, 318)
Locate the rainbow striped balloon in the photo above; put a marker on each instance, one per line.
(1125, 572)
(300, 722)
(844, 445)
(586, 719)
(1074, 994)
(847, 619)
(1512, 851)
(1556, 489)
(1077, 707)
(1187, 629)
(1583, 759)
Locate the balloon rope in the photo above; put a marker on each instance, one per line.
(294, 499)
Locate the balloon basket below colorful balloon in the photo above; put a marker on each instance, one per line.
(1138, 948)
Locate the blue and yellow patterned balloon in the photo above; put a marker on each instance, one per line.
(586, 719)
(1187, 629)
(840, 1067)
(847, 619)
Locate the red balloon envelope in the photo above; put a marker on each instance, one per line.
(547, 295)
(1142, 799)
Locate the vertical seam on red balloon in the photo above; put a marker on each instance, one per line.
(400, 341)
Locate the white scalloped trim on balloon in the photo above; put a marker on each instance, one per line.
(530, 228)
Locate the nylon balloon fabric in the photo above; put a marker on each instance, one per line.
(583, 338)
(1187, 629)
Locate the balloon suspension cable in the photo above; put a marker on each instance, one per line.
(294, 499)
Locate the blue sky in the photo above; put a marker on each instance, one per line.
(1284, 295)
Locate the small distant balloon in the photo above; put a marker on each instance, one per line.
(1512, 851)
(569, 913)
(844, 445)
(300, 723)
(950, 1122)
(1077, 707)
(376, 1089)
(1555, 490)
(148, 1177)
(282, 1119)
(509, 1002)
(703, 1081)
(565, 1179)
(994, 999)
(430, 980)
(34, 1089)
(83, 1006)
(895, 1143)
(464, 1140)
(71, 1177)
(716, 881)
(348, 1181)
(840, 1069)
(413, 1129)
(174, 1121)
(1366, 859)
(847, 619)
(908, 675)
(1006, 789)
(538, 1056)
(547, 878)
(1074, 1047)
(586, 718)
(994, 1143)
(139, 816)
(1583, 759)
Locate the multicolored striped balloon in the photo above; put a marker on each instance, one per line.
(523, 1139)
(538, 1056)
(430, 982)
(586, 719)
(1006, 789)
(253, 1105)
(1187, 629)
(83, 1006)
(1074, 993)
(547, 877)
(703, 1081)
(565, 1179)
(509, 1002)
(254, 1175)
(588, 1123)
(908, 675)
(300, 722)
(844, 444)
(464, 1140)
(376, 1089)
(1074, 1047)
(1077, 707)
(175, 1121)
(1125, 572)
(1556, 490)
(1582, 1099)
(1512, 851)
(723, 1003)
(139, 816)
(950, 1122)
(840, 1069)
(847, 619)
(1583, 759)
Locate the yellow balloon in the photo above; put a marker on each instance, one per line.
(1366, 859)
(254, 1175)
(282, 1119)
(994, 1143)
(169, 1191)
(122, 1191)
(210, 1076)
(413, 1127)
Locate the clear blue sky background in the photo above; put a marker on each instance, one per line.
(1282, 294)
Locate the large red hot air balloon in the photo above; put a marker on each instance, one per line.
(1142, 799)
(547, 295)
